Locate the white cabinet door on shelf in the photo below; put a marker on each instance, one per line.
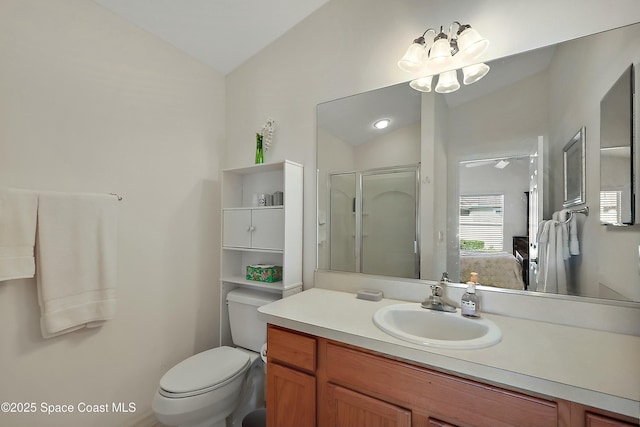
(254, 228)
(268, 229)
(237, 228)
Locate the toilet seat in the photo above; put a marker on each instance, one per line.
(204, 372)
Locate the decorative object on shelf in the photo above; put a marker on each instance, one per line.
(444, 56)
(265, 199)
(574, 169)
(259, 152)
(278, 198)
(264, 273)
(267, 133)
(263, 140)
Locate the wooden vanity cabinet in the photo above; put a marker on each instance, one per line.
(429, 398)
(291, 381)
(314, 381)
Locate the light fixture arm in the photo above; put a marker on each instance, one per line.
(422, 40)
(461, 28)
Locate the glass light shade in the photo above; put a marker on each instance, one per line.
(413, 59)
(448, 82)
(471, 44)
(473, 73)
(423, 84)
(440, 54)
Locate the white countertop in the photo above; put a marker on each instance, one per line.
(595, 368)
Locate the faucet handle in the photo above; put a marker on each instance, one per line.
(436, 290)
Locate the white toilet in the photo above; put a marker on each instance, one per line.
(225, 382)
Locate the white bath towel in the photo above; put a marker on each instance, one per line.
(76, 261)
(18, 213)
(552, 271)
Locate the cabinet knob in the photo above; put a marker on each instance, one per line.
(251, 228)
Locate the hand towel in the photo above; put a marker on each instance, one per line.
(562, 229)
(76, 261)
(574, 245)
(18, 213)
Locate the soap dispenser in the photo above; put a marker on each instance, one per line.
(470, 304)
(474, 278)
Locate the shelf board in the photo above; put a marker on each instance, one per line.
(277, 286)
(239, 280)
(262, 167)
(254, 208)
(268, 251)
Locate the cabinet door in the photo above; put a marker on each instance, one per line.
(348, 408)
(268, 229)
(291, 397)
(236, 231)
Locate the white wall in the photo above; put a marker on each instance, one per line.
(400, 147)
(90, 103)
(351, 46)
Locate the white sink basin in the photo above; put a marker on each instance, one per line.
(410, 322)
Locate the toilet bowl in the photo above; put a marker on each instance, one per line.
(224, 382)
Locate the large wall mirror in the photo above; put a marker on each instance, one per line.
(473, 180)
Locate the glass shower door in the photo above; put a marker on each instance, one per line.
(389, 246)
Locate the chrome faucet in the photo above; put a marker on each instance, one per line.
(435, 300)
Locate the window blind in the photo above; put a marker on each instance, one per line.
(481, 225)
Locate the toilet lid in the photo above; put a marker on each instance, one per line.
(205, 370)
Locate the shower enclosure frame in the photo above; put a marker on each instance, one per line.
(360, 176)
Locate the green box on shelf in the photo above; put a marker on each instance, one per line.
(264, 273)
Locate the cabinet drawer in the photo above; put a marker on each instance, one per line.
(596, 420)
(444, 397)
(291, 348)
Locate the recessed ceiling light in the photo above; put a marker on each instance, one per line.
(381, 124)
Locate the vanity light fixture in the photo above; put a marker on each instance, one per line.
(381, 124)
(459, 49)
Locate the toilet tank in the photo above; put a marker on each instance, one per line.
(247, 330)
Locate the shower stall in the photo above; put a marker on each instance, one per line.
(374, 221)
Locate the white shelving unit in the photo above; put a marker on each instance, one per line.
(260, 235)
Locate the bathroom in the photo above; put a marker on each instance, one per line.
(112, 108)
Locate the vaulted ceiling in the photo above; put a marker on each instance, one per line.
(221, 33)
